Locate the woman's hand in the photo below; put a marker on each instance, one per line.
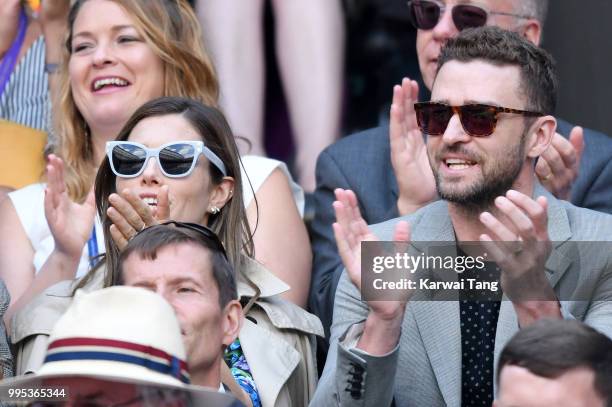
(54, 11)
(70, 223)
(130, 214)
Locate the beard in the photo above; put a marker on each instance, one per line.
(498, 175)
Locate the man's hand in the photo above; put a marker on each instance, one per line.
(383, 325)
(415, 179)
(557, 168)
(518, 242)
(130, 214)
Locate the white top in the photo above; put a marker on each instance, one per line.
(258, 170)
(29, 205)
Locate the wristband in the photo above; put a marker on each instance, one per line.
(51, 68)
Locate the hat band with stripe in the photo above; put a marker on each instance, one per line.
(70, 349)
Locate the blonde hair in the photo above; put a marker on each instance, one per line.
(173, 32)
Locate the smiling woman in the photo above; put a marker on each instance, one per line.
(112, 69)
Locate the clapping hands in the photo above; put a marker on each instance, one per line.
(557, 168)
(70, 222)
(350, 229)
(415, 179)
(130, 214)
(518, 242)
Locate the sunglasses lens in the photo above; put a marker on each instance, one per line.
(177, 159)
(478, 120)
(466, 16)
(424, 14)
(433, 118)
(128, 159)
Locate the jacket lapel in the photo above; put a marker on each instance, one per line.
(559, 232)
(438, 321)
(271, 368)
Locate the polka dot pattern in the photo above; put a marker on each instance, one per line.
(479, 311)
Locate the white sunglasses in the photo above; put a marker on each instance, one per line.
(178, 159)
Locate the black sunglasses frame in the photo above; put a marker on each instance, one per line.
(461, 14)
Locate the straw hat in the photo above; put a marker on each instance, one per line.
(121, 335)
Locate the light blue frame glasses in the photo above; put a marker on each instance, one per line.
(175, 160)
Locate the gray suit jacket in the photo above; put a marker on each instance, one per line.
(362, 163)
(425, 368)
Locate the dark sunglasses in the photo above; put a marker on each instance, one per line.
(478, 120)
(128, 159)
(207, 234)
(425, 15)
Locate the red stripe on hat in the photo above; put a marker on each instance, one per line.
(113, 343)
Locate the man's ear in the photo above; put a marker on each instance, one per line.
(540, 135)
(232, 321)
(532, 30)
(221, 193)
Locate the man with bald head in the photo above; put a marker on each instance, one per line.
(387, 167)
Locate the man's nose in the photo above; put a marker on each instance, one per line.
(445, 29)
(454, 132)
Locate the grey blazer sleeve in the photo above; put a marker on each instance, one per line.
(326, 266)
(352, 378)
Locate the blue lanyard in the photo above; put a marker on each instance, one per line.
(92, 247)
(10, 58)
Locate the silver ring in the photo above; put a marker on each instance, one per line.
(519, 247)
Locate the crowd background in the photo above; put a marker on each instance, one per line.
(380, 51)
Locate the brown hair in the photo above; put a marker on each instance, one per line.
(148, 242)
(550, 348)
(230, 224)
(173, 32)
(492, 44)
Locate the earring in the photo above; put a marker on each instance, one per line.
(214, 210)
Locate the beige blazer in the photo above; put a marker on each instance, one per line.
(278, 337)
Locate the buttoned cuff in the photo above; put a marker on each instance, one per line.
(367, 379)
